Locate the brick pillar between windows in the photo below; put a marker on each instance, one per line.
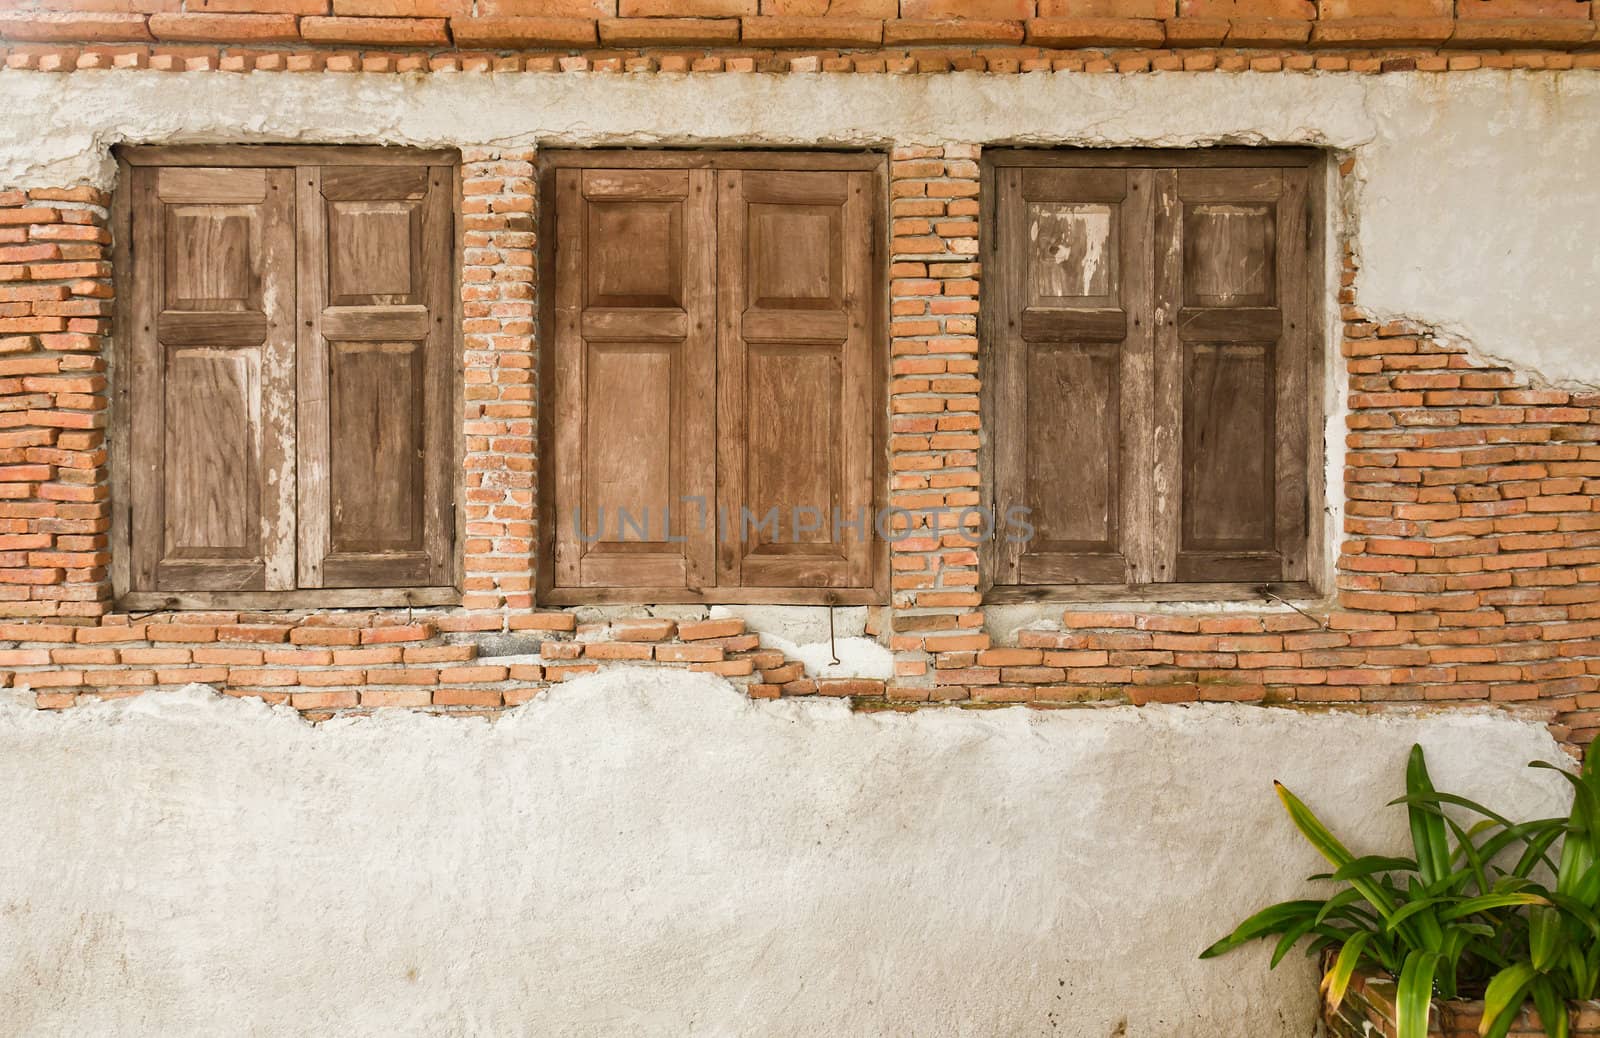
(55, 310)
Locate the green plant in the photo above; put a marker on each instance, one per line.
(1560, 959)
(1447, 920)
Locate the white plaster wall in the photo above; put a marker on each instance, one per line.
(648, 852)
(1477, 202)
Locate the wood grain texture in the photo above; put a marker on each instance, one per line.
(1218, 409)
(276, 444)
(764, 346)
(1072, 281)
(634, 379)
(794, 377)
(375, 384)
(211, 332)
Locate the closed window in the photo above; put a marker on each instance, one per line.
(289, 353)
(713, 402)
(1151, 336)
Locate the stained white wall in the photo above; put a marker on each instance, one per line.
(649, 853)
(646, 852)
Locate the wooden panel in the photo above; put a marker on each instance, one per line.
(374, 379)
(1213, 313)
(633, 380)
(1072, 253)
(1071, 356)
(213, 504)
(1072, 461)
(377, 323)
(1228, 437)
(209, 255)
(376, 446)
(212, 403)
(796, 393)
(1243, 361)
(373, 251)
(202, 186)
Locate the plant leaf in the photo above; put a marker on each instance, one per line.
(1414, 996)
(1490, 901)
(1427, 827)
(1507, 990)
(1270, 920)
(1338, 979)
(1552, 1009)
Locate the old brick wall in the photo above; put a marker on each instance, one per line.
(1467, 569)
(743, 35)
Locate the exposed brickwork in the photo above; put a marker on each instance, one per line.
(497, 299)
(55, 309)
(160, 28)
(333, 662)
(1468, 573)
(1191, 48)
(933, 405)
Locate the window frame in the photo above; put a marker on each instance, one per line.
(119, 366)
(1317, 275)
(873, 161)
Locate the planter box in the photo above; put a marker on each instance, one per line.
(1368, 1011)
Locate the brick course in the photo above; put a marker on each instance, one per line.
(830, 35)
(1468, 569)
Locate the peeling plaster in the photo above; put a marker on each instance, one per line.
(1476, 196)
(649, 852)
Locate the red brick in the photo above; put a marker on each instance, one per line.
(686, 8)
(230, 28)
(694, 630)
(72, 27)
(668, 32)
(522, 32)
(812, 32)
(392, 32)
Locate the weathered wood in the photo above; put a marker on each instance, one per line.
(794, 377)
(265, 156)
(637, 159)
(234, 469)
(374, 376)
(322, 598)
(633, 379)
(1072, 370)
(782, 406)
(1218, 408)
(211, 343)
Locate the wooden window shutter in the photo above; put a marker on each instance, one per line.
(634, 379)
(212, 433)
(374, 385)
(1073, 363)
(1151, 335)
(794, 378)
(1234, 372)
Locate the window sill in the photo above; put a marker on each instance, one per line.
(567, 596)
(1296, 592)
(324, 598)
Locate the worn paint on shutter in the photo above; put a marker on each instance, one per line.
(374, 375)
(794, 378)
(1238, 353)
(1072, 369)
(290, 338)
(212, 348)
(1150, 333)
(634, 392)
